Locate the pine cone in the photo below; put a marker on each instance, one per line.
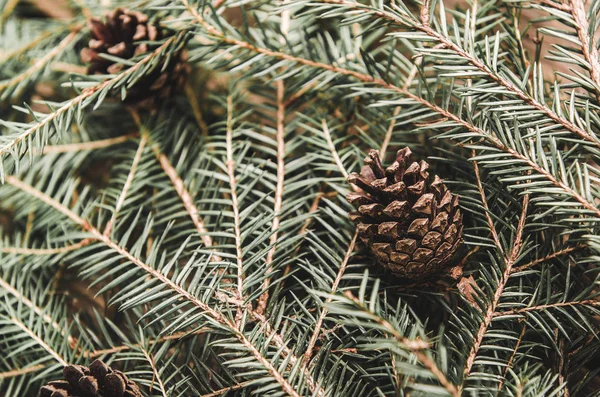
(99, 380)
(412, 226)
(122, 33)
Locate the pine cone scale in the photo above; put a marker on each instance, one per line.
(412, 226)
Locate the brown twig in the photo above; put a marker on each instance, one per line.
(230, 163)
(225, 390)
(39, 341)
(262, 301)
(93, 145)
(484, 202)
(547, 258)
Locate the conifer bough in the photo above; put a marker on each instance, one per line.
(412, 226)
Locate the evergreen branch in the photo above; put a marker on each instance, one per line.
(415, 346)
(548, 258)
(52, 117)
(127, 184)
(334, 153)
(32, 44)
(211, 312)
(426, 28)
(262, 302)
(558, 6)
(42, 62)
(156, 377)
(493, 305)
(587, 302)
(9, 7)
(484, 202)
(589, 44)
(225, 390)
(230, 163)
(509, 364)
(37, 310)
(18, 372)
(39, 341)
(45, 251)
(93, 145)
(324, 311)
(495, 142)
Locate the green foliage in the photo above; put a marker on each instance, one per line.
(203, 246)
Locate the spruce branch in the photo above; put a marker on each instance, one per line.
(92, 145)
(43, 62)
(51, 119)
(263, 300)
(492, 308)
(218, 317)
(589, 44)
(6, 286)
(38, 340)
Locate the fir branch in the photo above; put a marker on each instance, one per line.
(587, 302)
(43, 62)
(39, 341)
(316, 333)
(127, 184)
(164, 280)
(262, 301)
(494, 141)
(510, 260)
(589, 44)
(51, 118)
(45, 251)
(156, 378)
(92, 145)
(426, 28)
(230, 163)
(488, 217)
(38, 310)
(548, 258)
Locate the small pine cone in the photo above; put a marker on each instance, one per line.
(123, 33)
(97, 380)
(412, 226)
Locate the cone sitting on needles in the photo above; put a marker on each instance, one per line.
(411, 225)
(126, 34)
(97, 380)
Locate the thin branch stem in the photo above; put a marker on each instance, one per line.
(263, 300)
(6, 286)
(332, 149)
(156, 374)
(18, 372)
(45, 251)
(509, 364)
(230, 163)
(39, 341)
(548, 258)
(225, 390)
(587, 302)
(486, 207)
(121, 200)
(93, 145)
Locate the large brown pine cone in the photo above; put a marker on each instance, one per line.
(411, 225)
(122, 33)
(99, 380)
